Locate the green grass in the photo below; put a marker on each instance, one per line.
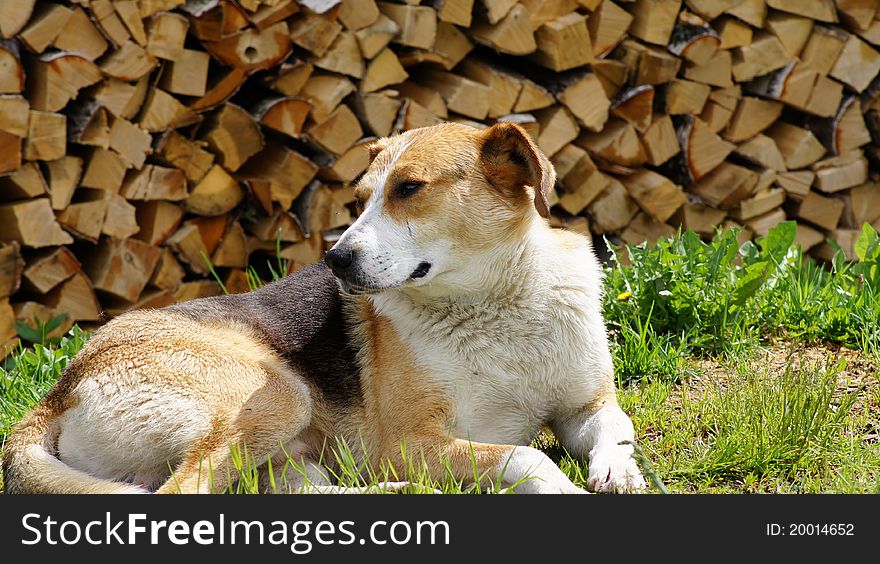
(745, 368)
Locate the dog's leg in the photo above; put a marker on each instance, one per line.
(596, 432)
(275, 409)
(526, 469)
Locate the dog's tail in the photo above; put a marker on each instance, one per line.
(29, 466)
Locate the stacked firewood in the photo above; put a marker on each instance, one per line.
(147, 146)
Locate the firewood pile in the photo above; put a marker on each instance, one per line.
(142, 139)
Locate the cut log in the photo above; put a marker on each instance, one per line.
(733, 33)
(711, 9)
(157, 219)
(644, 228)
(76, 297)
(580, 179)
(656, 195)
(282, 226)
(660, 140)
(456, 12)
(166, 34)
(512, 35)
(504, 87)
(377, 112)
(823, 48)
(14, 16)
(63, 177)
(121, 267)
(843, 132)
(702, 150)
(418, 24)
(130, 142)
(215, 194)
(635, 106)
(287, 171)
(12, 76)
(10, 152)
(11, 267)
(187, 244)
(49, 268)
(586, 100)
(232, 250)
(564, 43)
(799, 146)
(384, 70)
(36, 315)
(325, 93)
(162, 111)
(26, 182)
(694, 39)
(762, 202)
(533, 96)
(314, 32)
(343, 56)
(462, 95)
(825, 98)
(820, 210)
(613, 209)
(791, 84)
(121, 220)
(430, 98)
(617, 143)
(234, 136)
(55, 79)
(44, 26)
(791, 30)
(701, 219)
(85, 218)
(822, 10)
(717, 72)
(221, 90)
(253, 49)
(726, 186)
(338, 132)
(120, 98)
(47, 136)
(285, 115)
(154, 182)
(762, 150)
(187, 75)
(862, 205)
(558, 129)
(752, 116)
(104, 170)
(807, 237)
(841, 172)
(686, 97)
(32, 224)
(129, 63)
(375, 37)
(796, 183)
(292, 77)
(654, 20)
(168, 274)
(763, 55)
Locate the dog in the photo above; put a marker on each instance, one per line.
(450, 321)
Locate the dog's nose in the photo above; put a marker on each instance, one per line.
(339, 260)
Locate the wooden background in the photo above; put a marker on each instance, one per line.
(139, 136)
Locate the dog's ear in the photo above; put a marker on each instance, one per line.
(377, 146)
(510, 160)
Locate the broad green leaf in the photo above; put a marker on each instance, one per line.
(749, 283)
(867, 245)
(779, 240)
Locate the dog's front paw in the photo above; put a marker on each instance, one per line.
(613, 469)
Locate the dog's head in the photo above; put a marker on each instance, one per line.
(435, 200)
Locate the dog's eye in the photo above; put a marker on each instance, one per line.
(408, 188)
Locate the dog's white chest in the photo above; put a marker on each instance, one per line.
(507, 372)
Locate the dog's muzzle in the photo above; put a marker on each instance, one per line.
(340, 261)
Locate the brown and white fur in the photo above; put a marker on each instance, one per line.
(458, 323)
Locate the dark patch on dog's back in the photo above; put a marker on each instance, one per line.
(302, 318)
